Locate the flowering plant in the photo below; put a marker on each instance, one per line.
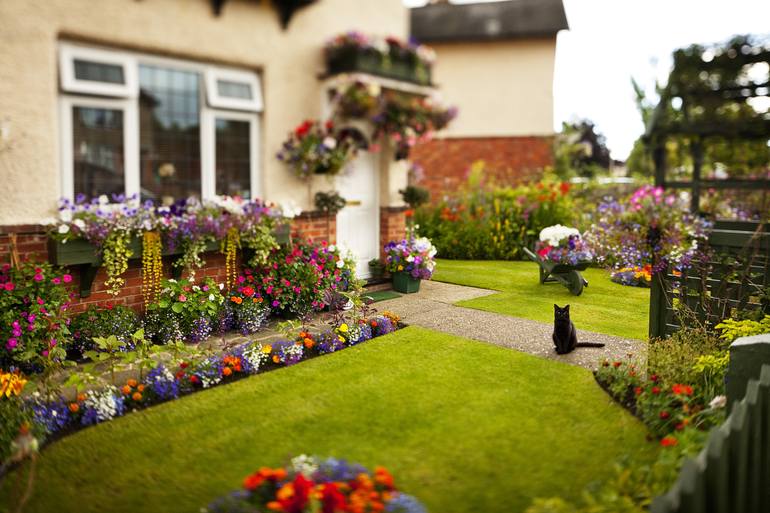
(34, 316)
(633, 276)
(102, 321)
(646, 228)
(195, 308)
(317, 148)
(297, 277)
(248, 308)
(562, 245)
(413, 256)
(316, 484)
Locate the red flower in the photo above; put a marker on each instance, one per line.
(332, 500)
(680, 389)
(564, 187)
(194, 379)
(617, 364)
(654, 378)
(303, 129)
(655, 390)
(669, 441)
(248, 291)
(329, 125)
(638, 390)
(664, 415)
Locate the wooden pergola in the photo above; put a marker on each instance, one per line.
(706, 97)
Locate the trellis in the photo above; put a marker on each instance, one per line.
(706, 97)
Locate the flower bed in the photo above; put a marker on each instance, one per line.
(187, 371)
(313, 484)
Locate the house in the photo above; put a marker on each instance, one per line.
(496, 64)
(171, 98)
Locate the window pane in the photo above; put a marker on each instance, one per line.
(169, 132)
(99, 72)
(233, 158)
(97, 149)
(227, 89)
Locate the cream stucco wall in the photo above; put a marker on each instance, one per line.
(247, 33)
(502, 88)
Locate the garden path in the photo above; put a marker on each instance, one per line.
(433, 307)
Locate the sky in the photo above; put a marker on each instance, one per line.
(611, 41)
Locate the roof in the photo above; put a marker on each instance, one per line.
(488, 21)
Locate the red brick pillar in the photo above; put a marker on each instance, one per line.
(315, 226)
(392, 225)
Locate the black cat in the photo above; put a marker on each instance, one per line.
(564, 333)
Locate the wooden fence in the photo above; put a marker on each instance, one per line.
(732, 473)
(735, 276)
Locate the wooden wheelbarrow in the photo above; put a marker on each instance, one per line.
(566, 274)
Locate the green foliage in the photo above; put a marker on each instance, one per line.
(329, 202)
(711, 369)
(115, 254)
(415, 196)
(673, 358)
(494, 224)
(732, 329)
(580, 150)
(261, 242)
(102, 321)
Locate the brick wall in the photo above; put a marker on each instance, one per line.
(392, 226)
(31, 244)
(509, 160)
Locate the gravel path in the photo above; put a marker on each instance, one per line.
(433, 307)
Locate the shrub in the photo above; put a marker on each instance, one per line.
(732, 329)
(673, 358)
(494, 224)
(296, 277)
(185, 308)
(102, 321)
(33, 314)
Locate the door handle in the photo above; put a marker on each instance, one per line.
(353, 203)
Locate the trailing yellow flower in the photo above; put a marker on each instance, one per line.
(11, 383)
(152, 266)
(229, 247)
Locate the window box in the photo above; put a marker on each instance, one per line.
(349, 59)
(82, 255)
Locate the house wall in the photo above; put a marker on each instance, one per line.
(502, 88)
(247, 34)
(504, 94)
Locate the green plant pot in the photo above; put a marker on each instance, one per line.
(404, 283)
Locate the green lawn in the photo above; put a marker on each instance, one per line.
(604, 307)
(465, 426)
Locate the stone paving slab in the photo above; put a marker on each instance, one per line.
(433, 307)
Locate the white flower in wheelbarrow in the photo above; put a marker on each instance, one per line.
(553, 235)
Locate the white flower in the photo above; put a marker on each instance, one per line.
(103, 199)
(211, 297)
(305, 465)
(48, 221)
(289, 209)
(332, 248)
(172, 280)
(80, 224)
(65, 215)
(221, 286)
(553, 235)
(340, 263)
(330, 142)
(719, 401)
(196, 288)
(410, 258)
(64, 228)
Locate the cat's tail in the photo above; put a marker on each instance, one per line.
(589, 344)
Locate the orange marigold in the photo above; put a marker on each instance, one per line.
(74, 407)
(137, 396)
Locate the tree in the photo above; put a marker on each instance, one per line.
(581, 150)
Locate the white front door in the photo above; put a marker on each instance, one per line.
(358, 224)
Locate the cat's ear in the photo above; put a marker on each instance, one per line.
(566, 308)
(555, 306)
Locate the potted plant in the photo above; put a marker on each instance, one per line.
(376, 269)
(410, 261)
(317, 148)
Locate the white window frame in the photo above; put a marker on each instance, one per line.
(215, 100)
(69, 53)
(130, 140)
(209, 149)
(125, 97)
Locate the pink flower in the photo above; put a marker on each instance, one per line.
(38, 277)
(12, 342)
(44, 352)
(297, 290)
(9, 286)
(56, 281)
(275, 303)
(182, 298)
(67, 278)
(53, 342)
(40, 301)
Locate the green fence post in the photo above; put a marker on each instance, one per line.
(747, 355)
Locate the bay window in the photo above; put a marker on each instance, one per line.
(164, 129)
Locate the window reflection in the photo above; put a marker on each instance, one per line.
(97, 150)
(233, 158)
(169, 148)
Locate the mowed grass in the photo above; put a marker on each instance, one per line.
(464, 426)
(604, 306)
